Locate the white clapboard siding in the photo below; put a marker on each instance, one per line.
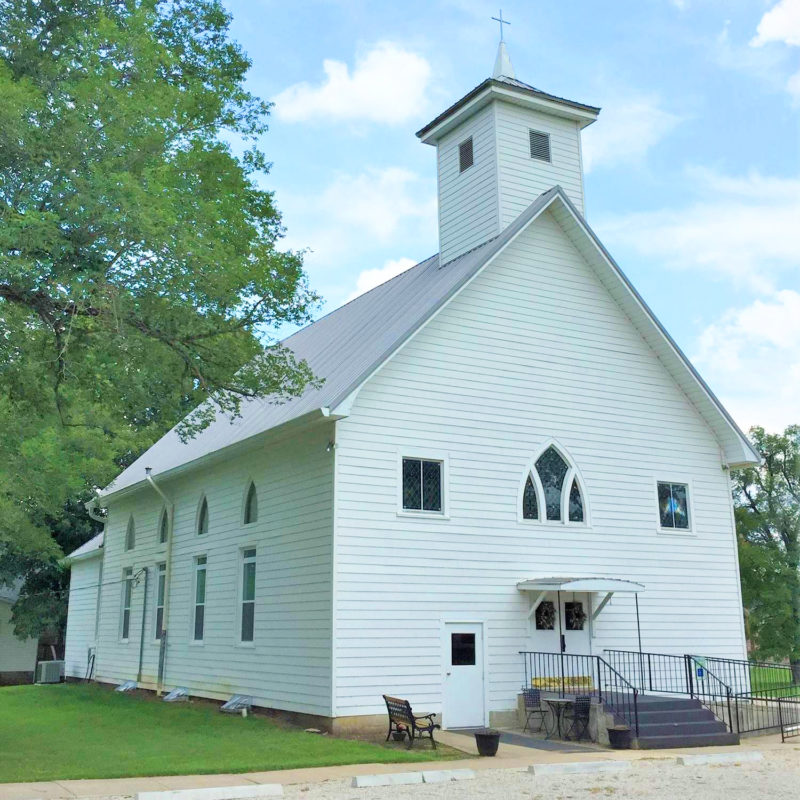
(533, 349)
(289, 664)
(84, 585)
(468, 212)
(522, 178)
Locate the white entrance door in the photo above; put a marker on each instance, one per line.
(463, 680)
(547, 628)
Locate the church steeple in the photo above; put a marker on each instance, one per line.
(498, 148)
(503, 68)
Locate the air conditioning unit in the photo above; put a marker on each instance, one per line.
(50, 672)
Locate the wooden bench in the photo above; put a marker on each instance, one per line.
(401, 718)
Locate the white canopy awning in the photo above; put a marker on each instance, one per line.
(580, 584)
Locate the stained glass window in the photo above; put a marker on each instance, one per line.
(530, 505)
(552, 469)
(575, 503)
(422, 485)
(673, 507)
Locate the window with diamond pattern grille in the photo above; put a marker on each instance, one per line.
(422, 485)
(530, 505)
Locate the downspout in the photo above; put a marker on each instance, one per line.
(91, 510)
(143, 626)
(162, 660)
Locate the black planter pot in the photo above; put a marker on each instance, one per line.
(487, 741)
(620, 737)
(398, 736)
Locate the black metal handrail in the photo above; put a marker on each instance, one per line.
(652, 672)
(752, 676)
(765, 710)
(570, 673)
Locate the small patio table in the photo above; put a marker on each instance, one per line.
(557, 705)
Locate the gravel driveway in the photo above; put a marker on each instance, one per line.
(776, 777)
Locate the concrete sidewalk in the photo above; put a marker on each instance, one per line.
(508, 756)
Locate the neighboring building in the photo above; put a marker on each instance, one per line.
(86, 576)
(17, 656)
(503, 412)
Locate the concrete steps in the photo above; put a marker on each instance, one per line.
(678, 722)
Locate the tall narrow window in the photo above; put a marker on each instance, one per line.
(251, 505)
(161, 586)
(163, 527)
(127, 594)
(130, 535)
(199, 597)
(552, 470)
(248, 594)
(530, 504)
(465, 155)
(673, 505)
(422, 485)
(202, 518)
(575, 503)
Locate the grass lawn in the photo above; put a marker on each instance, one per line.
(764, 679)
(86, 731)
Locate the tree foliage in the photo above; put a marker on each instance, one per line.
(767, 501)
(139, 261)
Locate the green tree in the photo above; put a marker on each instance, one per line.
(767, 500)
(139, 261)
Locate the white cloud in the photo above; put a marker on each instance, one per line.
(387, 84)
(745, 228)
(370, 278)
(630, 126)
(780, 24)
(752, 358)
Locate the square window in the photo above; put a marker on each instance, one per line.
(462, 649)
(673, 505)
(422, 485)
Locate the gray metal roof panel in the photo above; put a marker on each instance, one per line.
(92, 547)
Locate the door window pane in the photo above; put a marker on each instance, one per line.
(546, 616)
(462, 649)
(574, 616)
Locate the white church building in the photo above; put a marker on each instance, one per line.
(506, 411)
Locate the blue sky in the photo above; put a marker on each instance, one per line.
(693, 168)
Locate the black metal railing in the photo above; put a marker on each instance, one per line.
(652, 672)
(573, 674)
(751, 676)
(767, 710)
(711, 691)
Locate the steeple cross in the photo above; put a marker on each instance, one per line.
(502, 22)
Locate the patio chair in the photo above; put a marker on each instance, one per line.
(533, 707)
(580, 716)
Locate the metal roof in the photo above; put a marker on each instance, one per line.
(87, 549)
(524, 89)
(580, 584)
(346, 346)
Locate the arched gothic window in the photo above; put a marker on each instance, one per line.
(130, 535)
(552, 491)
(251, 505)
(202, 518)
(163, 527)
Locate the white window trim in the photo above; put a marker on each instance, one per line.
(250, 482)
(192, 641)
(684, 481)
(240, 598)
(126, 579)
(155, 600)
(573, 473)
(424, 455)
